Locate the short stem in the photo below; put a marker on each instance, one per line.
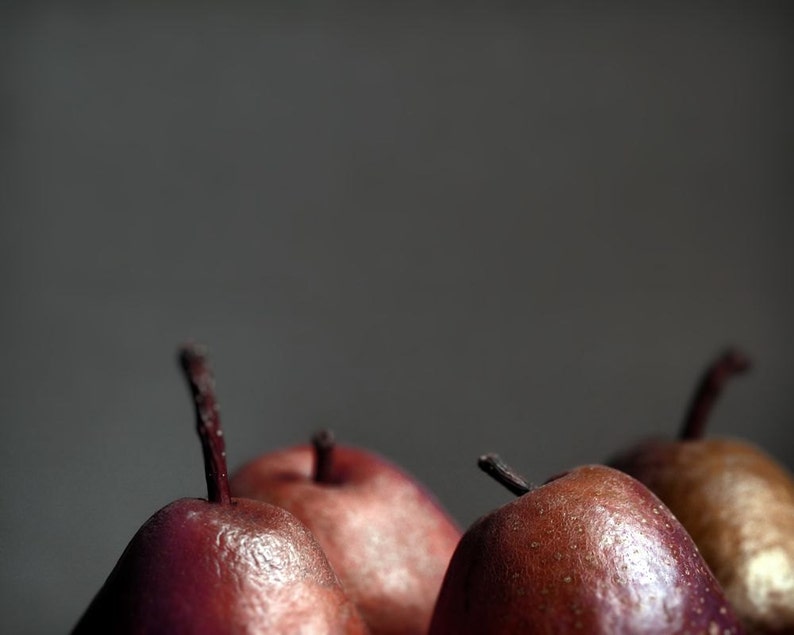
(495, 467)
(193, 361)
(728, 365)
(324, 444)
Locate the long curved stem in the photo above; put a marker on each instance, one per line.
(193, 360)
(730, 364)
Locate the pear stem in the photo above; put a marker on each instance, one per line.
(714, 378)
(324, 444)
(496, 468)
(193, 360)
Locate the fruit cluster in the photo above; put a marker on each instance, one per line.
(692, 536)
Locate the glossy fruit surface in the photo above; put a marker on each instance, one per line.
(221, 565)
(199, 567)
(384, 534)
(735, 500)
(591, 551)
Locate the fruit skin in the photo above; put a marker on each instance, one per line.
(591, 551)
(735, 500)
(384, 534)
(204, 568)
(220, 565)
(738, 505)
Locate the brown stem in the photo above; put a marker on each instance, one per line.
(193, 360)
(496, 468)
(324, 444)
(728, 365)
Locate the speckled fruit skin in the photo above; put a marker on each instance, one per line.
(203, 568)
(738, 505)
(591, 551)
(384, 534)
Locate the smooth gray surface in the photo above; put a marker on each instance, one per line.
(440, 232)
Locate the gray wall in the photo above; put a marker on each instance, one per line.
(440, 232)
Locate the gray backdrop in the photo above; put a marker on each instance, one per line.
(439, 231)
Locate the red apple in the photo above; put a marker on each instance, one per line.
(384, 534)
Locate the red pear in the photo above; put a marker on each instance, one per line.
(735, 500)
(384, 534)
(221, 565)
(591, 551)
